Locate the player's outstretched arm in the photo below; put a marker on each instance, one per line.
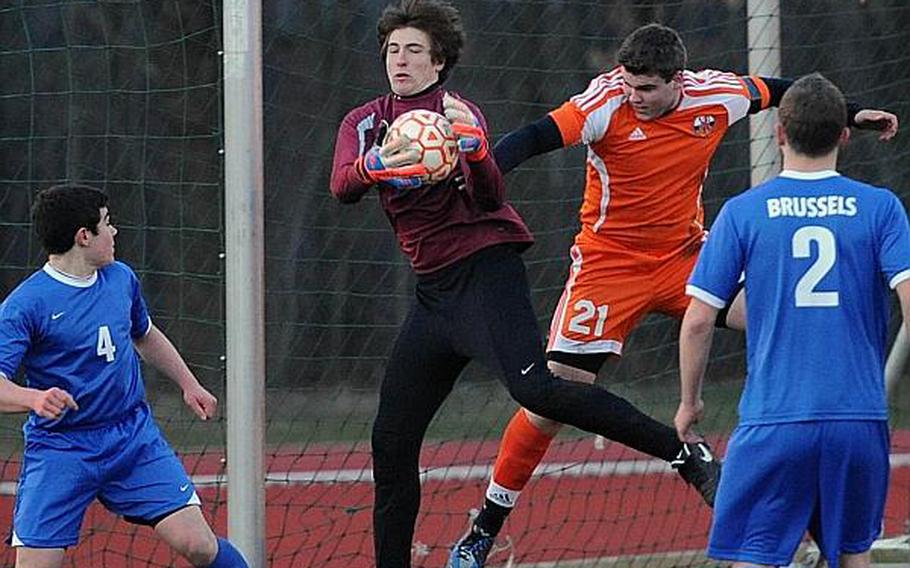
(862, 118)
(157, 350)
(695, 337)
(50, 403)
(539, 137)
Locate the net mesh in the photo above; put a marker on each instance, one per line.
(126, 95)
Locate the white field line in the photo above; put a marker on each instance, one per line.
(438, 473)
(555, 470)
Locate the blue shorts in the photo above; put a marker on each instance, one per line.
(127, 465)
(830, 477)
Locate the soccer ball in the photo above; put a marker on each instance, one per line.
(432, 134)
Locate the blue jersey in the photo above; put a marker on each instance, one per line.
(77, 335)
(819, 252)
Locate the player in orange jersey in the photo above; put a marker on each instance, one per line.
(651, 128)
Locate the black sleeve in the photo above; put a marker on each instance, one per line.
(777, 86)
(539, 137)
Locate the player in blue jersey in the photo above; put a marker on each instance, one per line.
(78, 327)
(819, 252)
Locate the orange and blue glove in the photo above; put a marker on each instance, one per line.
(472, 140)
(395, 163)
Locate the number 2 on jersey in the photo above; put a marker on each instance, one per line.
(806, 295)
(106, 347)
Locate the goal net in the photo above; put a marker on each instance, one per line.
(126, 95)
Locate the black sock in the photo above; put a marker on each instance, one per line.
(491, 518)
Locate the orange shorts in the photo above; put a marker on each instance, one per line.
(610, 288)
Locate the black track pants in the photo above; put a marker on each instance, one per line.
(480, 308)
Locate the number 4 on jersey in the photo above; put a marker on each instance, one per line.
(106, 347)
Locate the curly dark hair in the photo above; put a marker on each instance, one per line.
(436, 18)
(813, 113)
(653, 49)
(60, 211)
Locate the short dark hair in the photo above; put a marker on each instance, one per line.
(436, 18)
(653, 49)
(60, 211)
(813, 113)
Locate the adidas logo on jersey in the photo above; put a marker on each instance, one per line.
(638, 134)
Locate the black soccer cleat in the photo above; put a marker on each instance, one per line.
(696, 464)
(471, 551)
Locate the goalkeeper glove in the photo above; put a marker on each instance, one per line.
(376, 165)
(472, 141)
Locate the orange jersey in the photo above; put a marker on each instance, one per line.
(644, 178)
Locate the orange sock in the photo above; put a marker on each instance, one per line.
(522, 448)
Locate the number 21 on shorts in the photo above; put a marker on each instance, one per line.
(585, 311)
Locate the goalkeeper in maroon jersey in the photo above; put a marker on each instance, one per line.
(472, 299)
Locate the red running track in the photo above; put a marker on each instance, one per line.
(588, 503)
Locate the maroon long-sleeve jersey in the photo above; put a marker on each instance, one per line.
(436, 224)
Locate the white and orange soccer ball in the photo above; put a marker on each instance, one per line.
(433, 135)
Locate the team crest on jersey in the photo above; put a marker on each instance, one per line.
(703, 125)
